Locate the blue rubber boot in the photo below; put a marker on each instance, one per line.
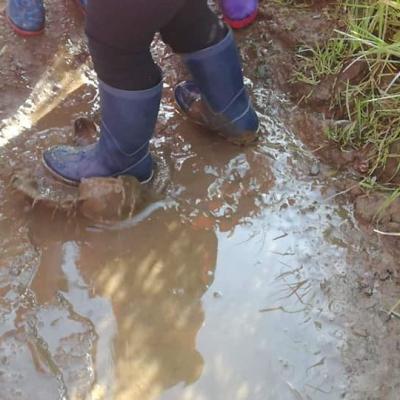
(128, 122)
(216, 97)
(27, 17)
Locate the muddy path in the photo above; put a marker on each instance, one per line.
(248, 279)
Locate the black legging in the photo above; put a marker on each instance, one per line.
(120, 33)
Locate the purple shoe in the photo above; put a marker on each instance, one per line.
(26, 17)
(239, 13)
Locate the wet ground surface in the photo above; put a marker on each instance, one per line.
(246, 279)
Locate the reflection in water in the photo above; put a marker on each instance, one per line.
(144, 302)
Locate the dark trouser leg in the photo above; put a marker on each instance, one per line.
(194, 27)
(120, 33)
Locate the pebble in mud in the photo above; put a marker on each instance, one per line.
(315, 169)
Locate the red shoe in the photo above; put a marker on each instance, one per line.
(239, 13)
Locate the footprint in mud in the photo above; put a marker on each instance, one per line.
(101, 200)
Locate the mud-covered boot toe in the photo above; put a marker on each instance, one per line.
(27, 17)
(71, 164)
(217, 97)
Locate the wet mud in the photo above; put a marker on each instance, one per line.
(247, 277)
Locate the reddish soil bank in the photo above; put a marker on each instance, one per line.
(282, 29)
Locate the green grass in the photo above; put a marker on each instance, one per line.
(318, 62)
(372, 106)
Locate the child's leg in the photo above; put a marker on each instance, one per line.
(210, 53)
(194, 27)
(120, 33)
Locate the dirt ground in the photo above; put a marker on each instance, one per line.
(249, 277)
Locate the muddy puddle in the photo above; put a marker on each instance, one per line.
(247, 279)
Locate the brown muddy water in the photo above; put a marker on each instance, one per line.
(246, 278)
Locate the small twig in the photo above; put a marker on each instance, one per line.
(392, 83)
(3, 49)
(318, 389)
(286, 273)
(393, 309)
(319, 148)
(281, 236)
(395, 314)
(318, 364)
(281, 308)
(397, 234)
(342, 192)
(391, 314)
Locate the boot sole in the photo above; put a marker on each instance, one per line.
(58, 176)
(75, 183)
(22, 32)
(243, 23)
